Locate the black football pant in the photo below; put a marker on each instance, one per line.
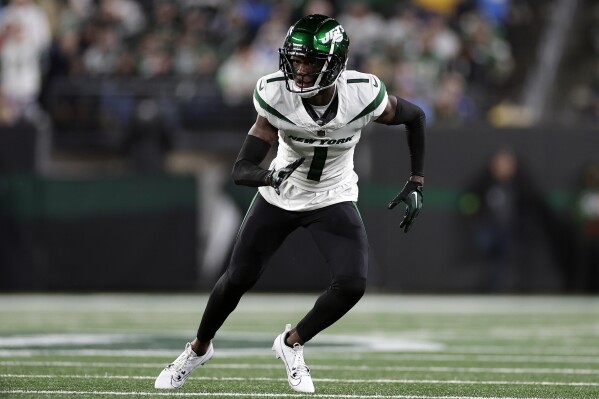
(339, 234)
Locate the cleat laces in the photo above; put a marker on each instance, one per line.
(179, 364)
(299, 368)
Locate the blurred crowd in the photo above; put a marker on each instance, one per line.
(460, 60)
(449, 56)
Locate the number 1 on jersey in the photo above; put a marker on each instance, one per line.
(320, 157)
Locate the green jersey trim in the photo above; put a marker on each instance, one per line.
(270, 109)
(276, 79)
(358, 211)
(246, 215)
(374, 104)
(358, 80)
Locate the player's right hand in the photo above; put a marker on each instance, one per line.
(277, 177)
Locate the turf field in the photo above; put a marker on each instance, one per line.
(111, 346)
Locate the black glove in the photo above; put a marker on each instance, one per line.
(411, 194)
(276, 177)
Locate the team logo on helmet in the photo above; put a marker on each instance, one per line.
(335, 34)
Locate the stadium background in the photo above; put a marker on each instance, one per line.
(120, 124)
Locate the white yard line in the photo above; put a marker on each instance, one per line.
(335, 380)
(563, 350)
(239, 394)
(488, 358)
(365, 369)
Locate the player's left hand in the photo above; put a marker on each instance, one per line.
(411, 194)
(277, 177)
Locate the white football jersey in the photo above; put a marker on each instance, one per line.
(327, 175)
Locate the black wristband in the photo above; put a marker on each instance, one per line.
(247, 170)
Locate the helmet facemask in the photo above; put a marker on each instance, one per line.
(325, 77)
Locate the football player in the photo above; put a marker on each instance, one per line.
(315, 109)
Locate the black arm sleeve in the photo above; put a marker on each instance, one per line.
(247, 170)
(415, 121)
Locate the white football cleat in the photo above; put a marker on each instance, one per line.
(298, 374)
(174, 375)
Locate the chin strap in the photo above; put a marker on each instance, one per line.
(312, 93)
(308, 94)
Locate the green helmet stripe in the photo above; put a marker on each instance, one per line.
(269, 109)
(374, 104)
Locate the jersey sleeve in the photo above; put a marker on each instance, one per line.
(371, 98)
(382, 94)
(260, 84)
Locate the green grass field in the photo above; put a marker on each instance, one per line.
(110, 346)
